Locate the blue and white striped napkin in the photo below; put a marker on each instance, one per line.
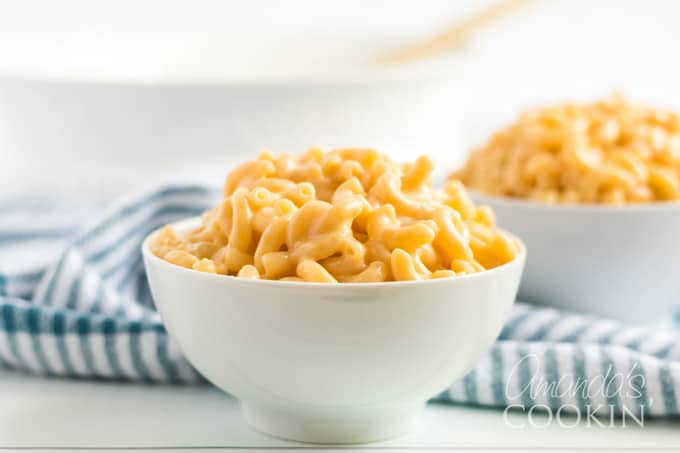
(74, 301)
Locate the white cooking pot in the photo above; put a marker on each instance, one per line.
(83, 128)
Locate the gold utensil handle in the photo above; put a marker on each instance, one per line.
(454, 34)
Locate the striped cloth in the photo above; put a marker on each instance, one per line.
(74, 301)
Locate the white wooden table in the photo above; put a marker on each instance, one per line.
(61, 415)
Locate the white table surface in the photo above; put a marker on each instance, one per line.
(60, 415)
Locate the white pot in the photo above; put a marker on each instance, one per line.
(102, 135)
(341, 363)
(619, 262)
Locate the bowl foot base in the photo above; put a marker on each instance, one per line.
(333, 427)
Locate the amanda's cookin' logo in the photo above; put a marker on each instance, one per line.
(595, 395)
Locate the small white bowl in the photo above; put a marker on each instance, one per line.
(326, 363)
(620, 262)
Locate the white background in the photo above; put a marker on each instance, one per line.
(552, 50)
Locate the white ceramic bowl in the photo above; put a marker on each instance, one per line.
(620, 262)
(327, 363)
(167, 109)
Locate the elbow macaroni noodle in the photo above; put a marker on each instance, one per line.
(606, 152)
(349, 215)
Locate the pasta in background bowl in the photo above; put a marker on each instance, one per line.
(610, 152)
(334, 363)
(594, 191)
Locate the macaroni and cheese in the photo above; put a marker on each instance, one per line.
(605, 152)
(349, 215)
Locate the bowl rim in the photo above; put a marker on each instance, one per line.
(600, 209)
(436, 70)
(149, 256)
